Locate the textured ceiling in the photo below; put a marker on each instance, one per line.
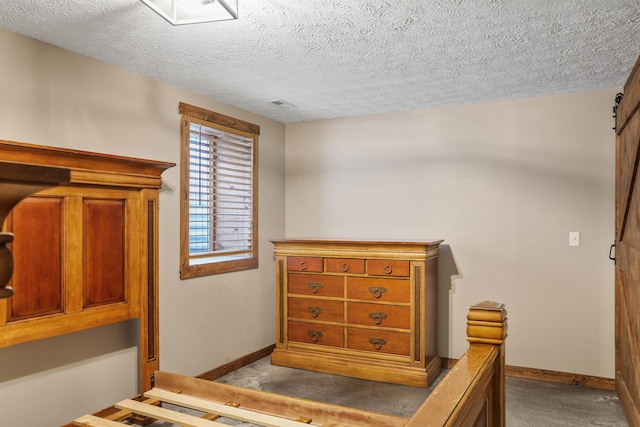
(334, 58)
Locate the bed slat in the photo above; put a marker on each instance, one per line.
(93, 421)
(222, 410)
(163, 414)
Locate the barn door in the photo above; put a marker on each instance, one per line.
(627, 271)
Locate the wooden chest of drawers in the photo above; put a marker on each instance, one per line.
(358, 308)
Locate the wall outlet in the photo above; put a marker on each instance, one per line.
(574, 238)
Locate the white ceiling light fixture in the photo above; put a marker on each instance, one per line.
(180, 12)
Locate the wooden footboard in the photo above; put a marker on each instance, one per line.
(471, 394)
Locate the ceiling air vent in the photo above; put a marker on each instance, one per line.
(283, 104)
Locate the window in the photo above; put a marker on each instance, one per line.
(219, 189)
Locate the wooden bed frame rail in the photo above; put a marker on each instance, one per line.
(471, 394)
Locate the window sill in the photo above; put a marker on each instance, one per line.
(204, 267)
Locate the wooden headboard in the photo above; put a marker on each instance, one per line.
(84, 252)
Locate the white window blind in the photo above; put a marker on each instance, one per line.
(220, 194)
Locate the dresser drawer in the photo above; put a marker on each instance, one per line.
(316, 309)
(387, 267)
(315, 333)
(378, 341)
(372, 289)
(344, 265)
(389, 316)
(304, 263)
(316, 285)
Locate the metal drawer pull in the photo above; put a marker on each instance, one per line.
(314, 311)
(377, 291)
(377, 342)
(315, 286)
(315, 335)
(303, 265)
(387, 269)
(377, 317)
(344, 267)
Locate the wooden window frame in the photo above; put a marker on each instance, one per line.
(191, 113)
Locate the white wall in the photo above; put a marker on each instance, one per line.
(50, 96)
(503, 183)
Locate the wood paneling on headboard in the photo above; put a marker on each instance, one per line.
(85, 252)
(17, 181)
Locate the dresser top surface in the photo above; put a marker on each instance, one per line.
(357, 248)
(310, 241)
